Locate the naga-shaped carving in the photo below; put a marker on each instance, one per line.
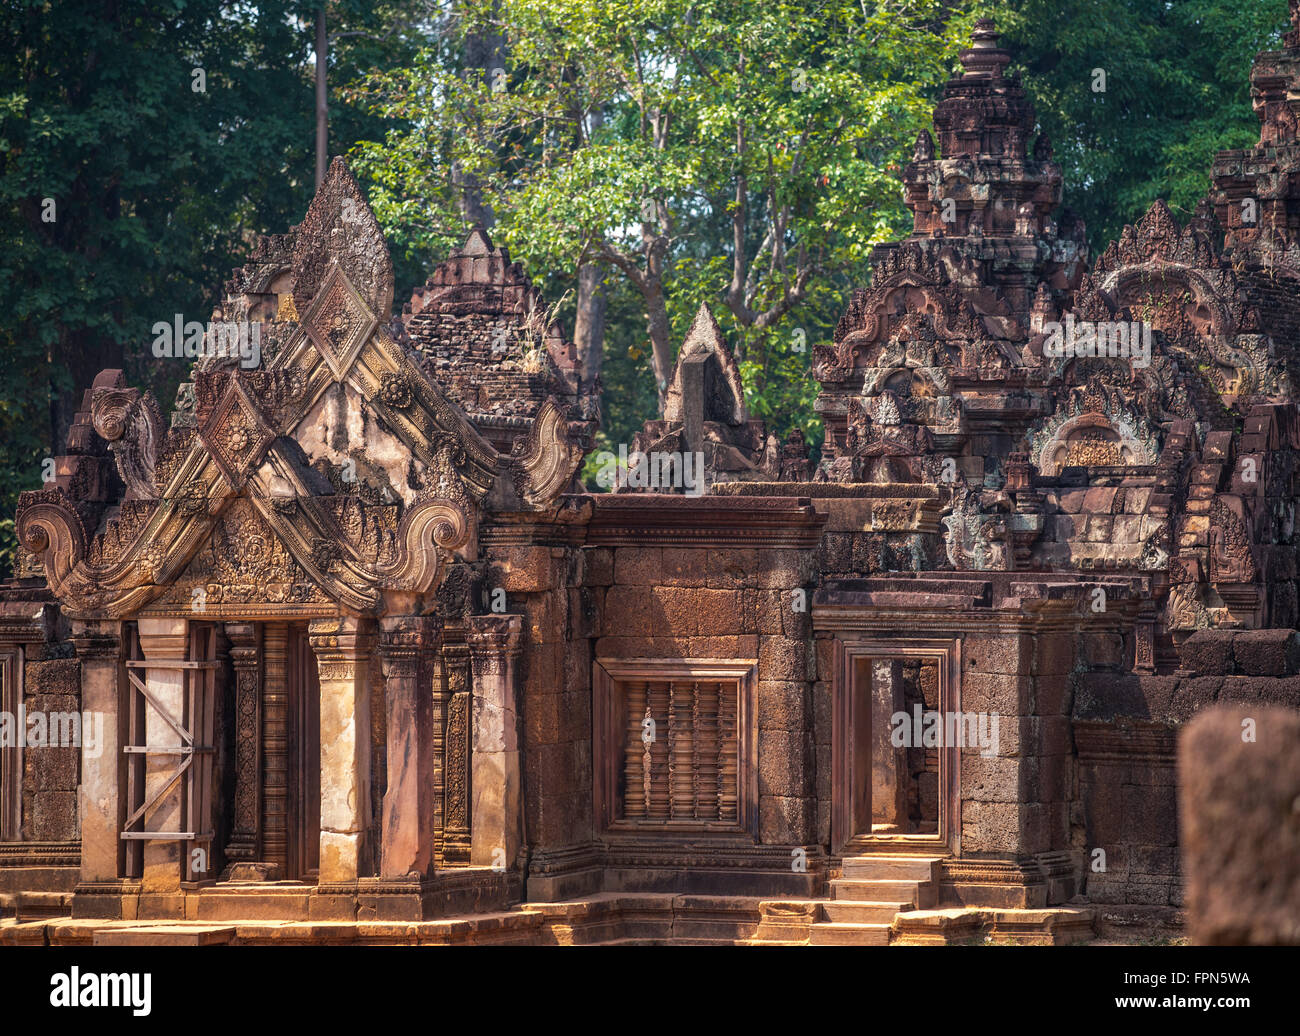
(544, 461)
(132, 424)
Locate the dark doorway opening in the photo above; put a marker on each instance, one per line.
(303, 863)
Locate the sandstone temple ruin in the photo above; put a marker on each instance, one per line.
(365, 649)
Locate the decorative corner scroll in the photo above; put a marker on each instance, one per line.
(132, 424)
(425, 530)
(544, 461)
(47, 525)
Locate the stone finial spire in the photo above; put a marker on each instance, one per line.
(983, 113)
(984, 118)
(984, 57)
(1292, 39)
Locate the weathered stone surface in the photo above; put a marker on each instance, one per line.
(1240, 781)
(1208, 651)
(783, 705)
(1267, 652)
(58, 676)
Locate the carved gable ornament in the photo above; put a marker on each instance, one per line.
(339, 323)
(243, 502)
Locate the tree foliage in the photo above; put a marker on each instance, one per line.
(1177, 90)
(734, 152)
(739, 153)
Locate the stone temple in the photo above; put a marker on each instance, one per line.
(346, 638)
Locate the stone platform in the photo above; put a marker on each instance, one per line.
(605, 919)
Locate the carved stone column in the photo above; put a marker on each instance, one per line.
(244, 847)
(497, 812)
(343, 652)
(409, 812)
(275, 749)
(99, 649)
(439, 701)
(163, 641)
(456, 755)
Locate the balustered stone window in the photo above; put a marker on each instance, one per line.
(673, 745)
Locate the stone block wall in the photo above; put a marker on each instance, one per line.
(681, 602)
(51, 774)
(699, 604)
(544, 583)
(42, 851)
(1125, 728)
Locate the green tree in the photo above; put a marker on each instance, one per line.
(1176, 90)
(142, 147)
(737, 152)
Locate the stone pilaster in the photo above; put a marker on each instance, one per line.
(343, 654)
(439, 703)
(409, 809)
(99, 648)
(455, 770)
(244, 847)
(275, 748)
(495, 782)
(163, 642)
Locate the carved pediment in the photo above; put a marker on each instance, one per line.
(242, 469)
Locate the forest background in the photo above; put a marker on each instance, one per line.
(640, 157)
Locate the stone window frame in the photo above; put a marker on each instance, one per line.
(849, 649)
(608, 741)
(11, 758)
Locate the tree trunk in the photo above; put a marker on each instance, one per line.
(656, 308)
(589, 325)
(322, 106)
(484, 52)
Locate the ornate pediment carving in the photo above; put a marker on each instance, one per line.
(230, 502)
(545, 461)
(1091, 428)
(130, 422)
(236, 434)
(339, 322)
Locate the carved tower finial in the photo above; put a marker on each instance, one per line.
(924, 150)
(984, 56)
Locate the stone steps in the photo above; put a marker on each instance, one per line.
(165, 935)
(888, 890)
(858, 912)
(835, 933)
(896, 868)
(867, 900)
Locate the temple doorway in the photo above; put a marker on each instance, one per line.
(303, 815)
(894, 770)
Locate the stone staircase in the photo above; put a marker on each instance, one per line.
(871, 893)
